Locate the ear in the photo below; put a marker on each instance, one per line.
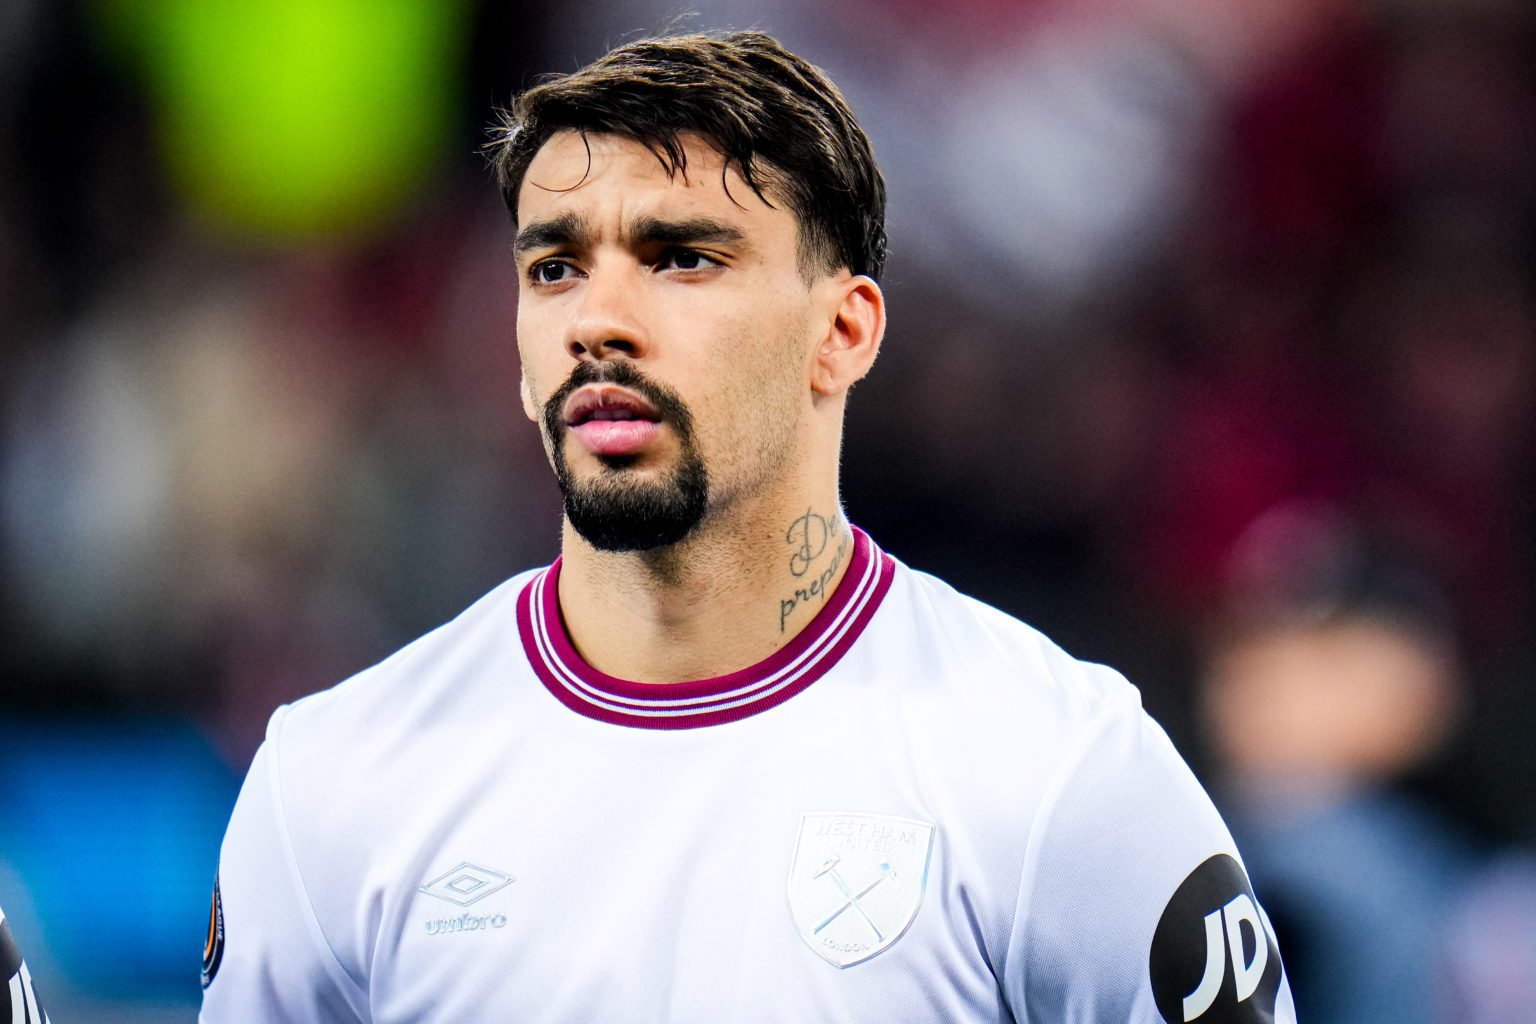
(530, 408)
(852, 341)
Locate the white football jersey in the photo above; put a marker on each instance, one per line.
(920, 810)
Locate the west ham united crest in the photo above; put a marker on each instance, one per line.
(856, 882)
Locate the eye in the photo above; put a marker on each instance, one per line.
(551, 271)
(686, 259)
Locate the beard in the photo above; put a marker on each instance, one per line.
(615, 511)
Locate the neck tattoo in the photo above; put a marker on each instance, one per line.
(808, 538)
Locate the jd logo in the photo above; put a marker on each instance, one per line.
(1214, 956)
(1237, 914)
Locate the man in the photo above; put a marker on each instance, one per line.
(724, 760)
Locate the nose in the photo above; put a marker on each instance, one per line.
(608, 321)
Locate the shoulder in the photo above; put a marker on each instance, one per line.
(1077, 729)
(327, 790)
(384, 727)
(996, 695)
(409, 688)
(971, 646)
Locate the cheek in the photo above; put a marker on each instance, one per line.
(541, 367)
(525, 391)
(759, 385)
(528, 382)
(777, 369)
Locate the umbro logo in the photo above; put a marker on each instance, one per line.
(467, 883)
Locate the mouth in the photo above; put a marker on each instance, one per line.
(611, 421)
(607, 403)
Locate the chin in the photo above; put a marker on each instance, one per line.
(628, 509)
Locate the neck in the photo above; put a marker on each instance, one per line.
(729, 596)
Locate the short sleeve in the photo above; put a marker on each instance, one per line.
(1134, 903)
(266, 957)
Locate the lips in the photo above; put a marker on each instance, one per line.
(610, 420)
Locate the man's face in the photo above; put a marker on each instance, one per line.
(665, 330)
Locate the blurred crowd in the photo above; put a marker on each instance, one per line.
(1212, 354)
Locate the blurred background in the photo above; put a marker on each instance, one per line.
(1212, 354)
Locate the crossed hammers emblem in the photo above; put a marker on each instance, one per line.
(851, 899)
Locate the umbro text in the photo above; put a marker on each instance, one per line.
(465, 923)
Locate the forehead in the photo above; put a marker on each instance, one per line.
(597, 173)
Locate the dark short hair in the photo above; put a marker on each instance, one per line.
(774, 117)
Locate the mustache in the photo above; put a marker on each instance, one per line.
(668, 403)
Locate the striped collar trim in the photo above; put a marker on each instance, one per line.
(691, 705)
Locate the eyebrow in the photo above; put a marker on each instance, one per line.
(566, 229)
(691, 231)
(570, 230)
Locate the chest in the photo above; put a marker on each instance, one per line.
(690, 878)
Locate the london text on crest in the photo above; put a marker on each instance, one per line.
(856, 882)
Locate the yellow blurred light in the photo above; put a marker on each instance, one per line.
(300, 117)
